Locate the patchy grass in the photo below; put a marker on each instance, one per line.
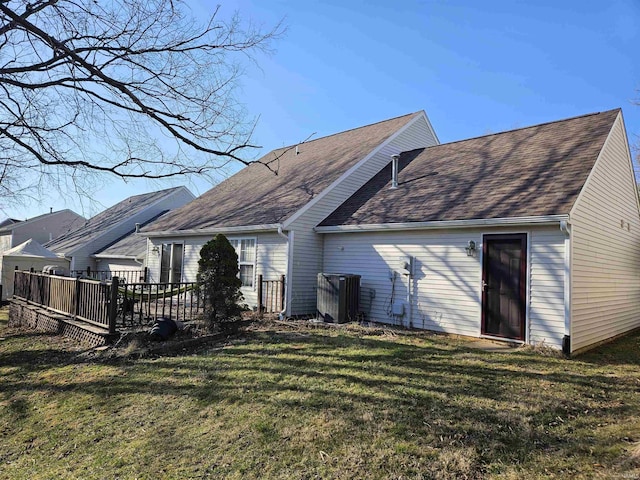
(318, 403)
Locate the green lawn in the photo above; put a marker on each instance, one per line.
(318, 403)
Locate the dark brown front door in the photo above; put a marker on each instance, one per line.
(504, 268)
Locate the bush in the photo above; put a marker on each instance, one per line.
(218, 281)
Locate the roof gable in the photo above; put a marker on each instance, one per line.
(257, 196)
(110, 218)
(533, 171)
(10, 224)
(30, 248)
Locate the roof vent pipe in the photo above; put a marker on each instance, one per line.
(137, 228)
(394, 170)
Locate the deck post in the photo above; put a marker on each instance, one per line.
(113, 305)
(260, 307)
(76, 306)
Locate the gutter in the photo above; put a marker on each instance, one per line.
(215, 230)
(565, 228)
(289, 239)
(443, 224)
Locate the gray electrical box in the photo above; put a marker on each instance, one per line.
(338, 297)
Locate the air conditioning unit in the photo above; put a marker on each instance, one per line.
(338, 297)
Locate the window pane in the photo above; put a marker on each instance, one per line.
(165, 262)
(246, 275)
(247, 250)
(176, 263)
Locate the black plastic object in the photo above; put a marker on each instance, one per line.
(162, 329)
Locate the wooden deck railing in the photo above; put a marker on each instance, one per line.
(114, 304)
(87, 300)
(271, 295)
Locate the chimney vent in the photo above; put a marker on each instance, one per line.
(137, 228)
(394, 171)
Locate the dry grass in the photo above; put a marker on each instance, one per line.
(318, 403)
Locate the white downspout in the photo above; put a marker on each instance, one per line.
(289, 240)
(566, 341)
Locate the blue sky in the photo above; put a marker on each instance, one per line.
(474, 67)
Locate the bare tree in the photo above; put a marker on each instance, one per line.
(135, 88)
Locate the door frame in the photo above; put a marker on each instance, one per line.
(525, 243)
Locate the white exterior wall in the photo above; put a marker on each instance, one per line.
(307, 245)
(116, 264)
(271, 259)
(5, 242)
(605, 264)
(446, 285)
(9, 264)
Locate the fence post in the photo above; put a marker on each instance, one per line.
(113, 305)
(260, 293)
(76, 307)
(146, 275)
(282, 293)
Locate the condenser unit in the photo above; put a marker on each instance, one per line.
(338, 297)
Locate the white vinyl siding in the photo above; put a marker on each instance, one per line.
(605, 222)
(270, 259)
(446, 286)
(546, 295)
(5, 242)
(307, 246)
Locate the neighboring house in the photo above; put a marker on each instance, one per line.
(530, 235)
(102, 230)
(269, 217)
(126, 255)
(42, 228)
(26, 256)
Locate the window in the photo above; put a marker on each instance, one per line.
(171, 263)
(246, 251)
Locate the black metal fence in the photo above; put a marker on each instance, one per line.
(128, 276)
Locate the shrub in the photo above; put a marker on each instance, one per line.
(218, 281)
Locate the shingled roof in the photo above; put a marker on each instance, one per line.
(257, 196)
(110, 218)
(534, 171)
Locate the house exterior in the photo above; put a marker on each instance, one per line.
(269, 213)
(102, 231)
(26, 256)
(552, 210)
(42, 228)
(530, 235)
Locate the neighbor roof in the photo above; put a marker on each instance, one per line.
(96, 226)
(130, 245)
(258, 196)
(8, 227)
(8, 221)
(534, 171)
(30, 248)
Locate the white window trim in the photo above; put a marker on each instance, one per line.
(254, 263)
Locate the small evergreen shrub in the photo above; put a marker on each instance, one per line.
(218, 281)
